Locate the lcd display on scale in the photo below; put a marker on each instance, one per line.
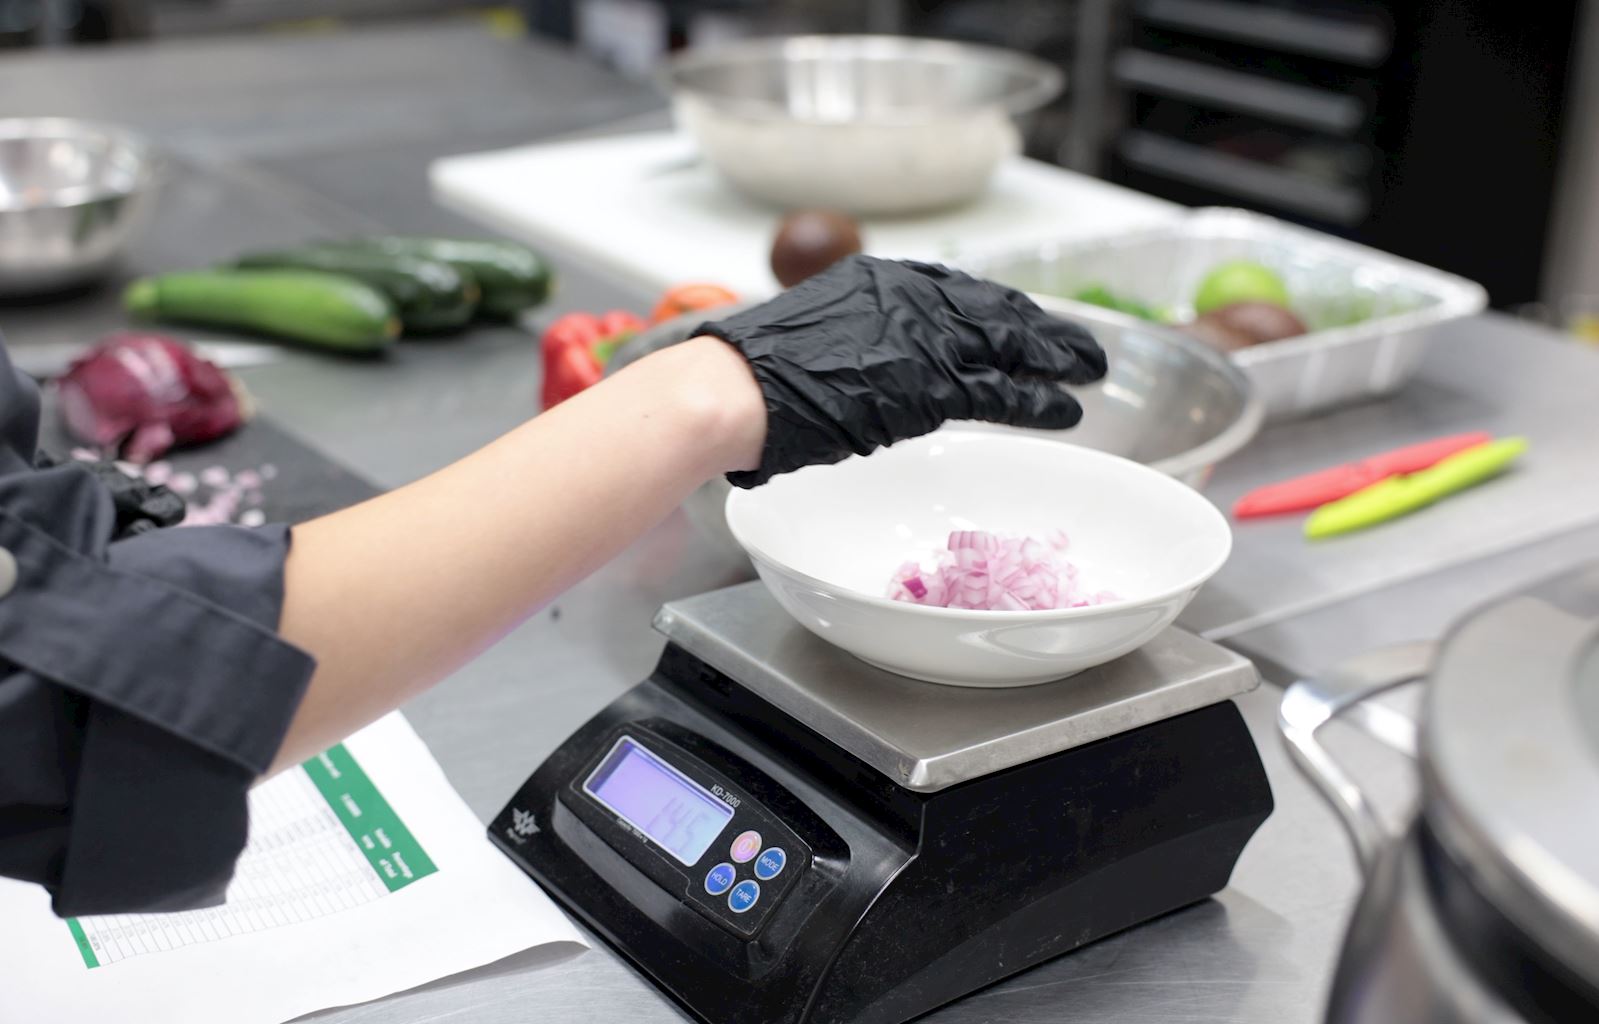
(658, 800)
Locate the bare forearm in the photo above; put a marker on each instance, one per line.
(393, 594)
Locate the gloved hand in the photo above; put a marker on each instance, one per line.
(873, 351)
(140, 507)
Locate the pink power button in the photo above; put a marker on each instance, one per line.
(746, 846)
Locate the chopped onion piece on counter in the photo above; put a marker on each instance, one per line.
(215, 496)
(989, 572)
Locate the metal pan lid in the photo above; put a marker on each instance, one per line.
(1510, 756)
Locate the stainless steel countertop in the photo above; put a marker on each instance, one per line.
(281, 138)
(1487, 373)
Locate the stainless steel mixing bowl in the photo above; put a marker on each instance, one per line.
(71, 195)
(863, 124)
(1169, 401)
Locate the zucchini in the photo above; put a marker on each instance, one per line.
(513, 277)
(429, 295)
(326, 310)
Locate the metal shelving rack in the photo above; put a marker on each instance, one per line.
(1431, 129)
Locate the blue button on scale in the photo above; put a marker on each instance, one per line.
(743, 896)
(770, 864)
(719, 879)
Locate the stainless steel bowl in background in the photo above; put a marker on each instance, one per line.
(862, 124)
(1169, 401)
(71, 195)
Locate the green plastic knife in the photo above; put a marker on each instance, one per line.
(1400, 495)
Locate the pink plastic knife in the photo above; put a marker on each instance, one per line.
(1316, 489)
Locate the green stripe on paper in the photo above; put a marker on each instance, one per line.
(391, 849)
(89, 959)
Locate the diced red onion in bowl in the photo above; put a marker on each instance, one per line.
(990, 572)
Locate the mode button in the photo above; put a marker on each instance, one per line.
(770, 864)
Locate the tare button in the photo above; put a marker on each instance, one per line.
(743, 896)
(770, 864)
(745, 847)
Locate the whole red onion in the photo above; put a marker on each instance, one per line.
(141, 394)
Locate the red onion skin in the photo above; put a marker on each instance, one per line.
(143, 394)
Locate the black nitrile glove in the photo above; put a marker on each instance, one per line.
(873, 351)
(140, 507)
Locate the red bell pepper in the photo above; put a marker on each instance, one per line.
(576, 348)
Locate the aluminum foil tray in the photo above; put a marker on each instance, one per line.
(1370, 314)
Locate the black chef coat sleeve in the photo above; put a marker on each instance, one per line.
(143, 688)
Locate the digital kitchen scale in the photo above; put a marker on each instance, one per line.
(772, 831)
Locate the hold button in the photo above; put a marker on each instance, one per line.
(719, 879)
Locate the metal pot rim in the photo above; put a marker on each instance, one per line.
(1507, 770)
(1506, 767)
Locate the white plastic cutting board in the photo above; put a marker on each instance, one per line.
(646, 208)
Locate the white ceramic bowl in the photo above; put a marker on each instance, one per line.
(827, 539)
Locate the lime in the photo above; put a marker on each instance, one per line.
(1239, 281)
